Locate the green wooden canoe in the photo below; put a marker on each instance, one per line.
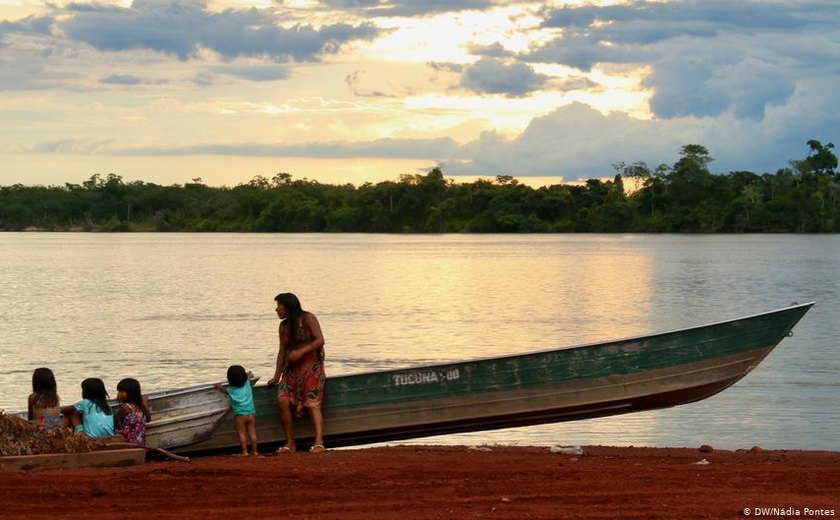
(593, 380)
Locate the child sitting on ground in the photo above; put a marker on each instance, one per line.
(92, 415)
(133, 413)
(242, 403)
(44, 408)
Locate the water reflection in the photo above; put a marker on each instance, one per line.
(177, 309)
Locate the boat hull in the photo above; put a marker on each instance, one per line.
(587, 381)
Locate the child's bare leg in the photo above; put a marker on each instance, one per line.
(252, 434)
(241, 425)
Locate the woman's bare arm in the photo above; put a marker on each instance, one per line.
(281, 362)
(317, 341)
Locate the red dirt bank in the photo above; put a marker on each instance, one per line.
(425, 482)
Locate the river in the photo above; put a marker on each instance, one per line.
(176, 309)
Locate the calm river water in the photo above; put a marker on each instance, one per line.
(177, 309)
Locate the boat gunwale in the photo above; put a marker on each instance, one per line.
(582, 345)
(209, 386)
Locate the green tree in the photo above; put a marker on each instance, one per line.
(821, 160)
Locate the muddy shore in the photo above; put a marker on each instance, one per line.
(426, 482)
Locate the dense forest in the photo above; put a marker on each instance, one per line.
(683, 197)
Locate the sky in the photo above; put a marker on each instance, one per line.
(354, 91)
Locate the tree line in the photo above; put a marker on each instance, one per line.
(683, 197)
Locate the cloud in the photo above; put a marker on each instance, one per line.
(706, 57)
(665, 20)
(690, 86)
(578, 142)
(72, 146)
(183, 28)
(204, 79)
(493, 76)
(351, 4)
(751, 81)
(585, 50)
(408, 8)
(354, 82)
(32, 73)
(380, 148)
(41, 25)
(129, 79)
(258, 73)
(572, 142)
(493, 50)
(446, 67)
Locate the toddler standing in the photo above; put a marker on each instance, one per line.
(242, 404)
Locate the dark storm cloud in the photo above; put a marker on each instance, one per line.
(183, 27)
(492, 76)
(706, 57)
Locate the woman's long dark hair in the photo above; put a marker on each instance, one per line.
(133, 395)
(43, 384)
(293, 315)
(93, 389)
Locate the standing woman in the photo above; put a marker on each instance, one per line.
(300, 369)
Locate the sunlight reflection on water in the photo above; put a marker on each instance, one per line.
(177, 309)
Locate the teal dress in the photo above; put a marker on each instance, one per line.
(94, 422)
(242, 399)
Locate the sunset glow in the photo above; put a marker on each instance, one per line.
(156, 90)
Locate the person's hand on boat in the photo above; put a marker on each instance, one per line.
(273, 381)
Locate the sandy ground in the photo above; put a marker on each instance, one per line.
(420, 482)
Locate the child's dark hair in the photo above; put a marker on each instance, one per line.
(133, 394)
(237, 376)
(43, 384)
(93, 389)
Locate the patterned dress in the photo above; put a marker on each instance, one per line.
(45, 416)
(303, 382)
(131, 424)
